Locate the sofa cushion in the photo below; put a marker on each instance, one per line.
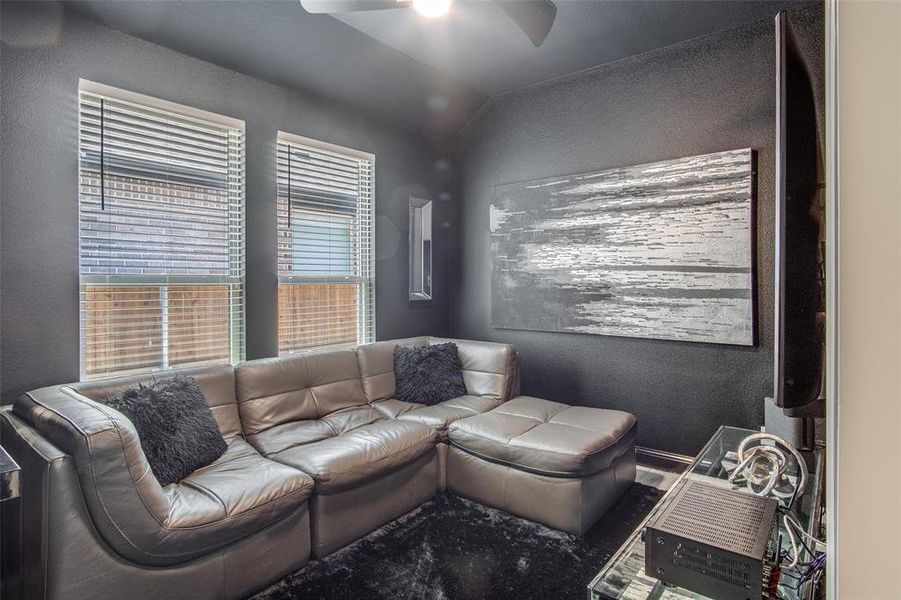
(392, 408)
(546, 437)
(241, 486)
(359, 454)
(489, 368)
(175, 426)
(428, 375)
(300, 387)
(377, 366)
(217, 383)
(440, 416)
(298, 433)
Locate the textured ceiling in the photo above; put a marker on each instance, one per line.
(427, 75)
(278, 41)
(477, 43)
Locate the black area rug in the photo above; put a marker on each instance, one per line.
(454, 549)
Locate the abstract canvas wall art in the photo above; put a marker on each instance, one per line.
(662, 250)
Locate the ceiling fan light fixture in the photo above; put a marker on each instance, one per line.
(432, 8)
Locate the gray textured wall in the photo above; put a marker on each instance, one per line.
(713, 93)
(709, 94)
(44, 53)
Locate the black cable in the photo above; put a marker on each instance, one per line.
(102, 161)
(778, 550)
(289, 187)
(794, 496)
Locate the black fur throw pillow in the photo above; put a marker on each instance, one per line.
(175, 425)
(428, 374)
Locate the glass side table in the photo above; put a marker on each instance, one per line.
(624, 578)
(10, 520)
(9, 477)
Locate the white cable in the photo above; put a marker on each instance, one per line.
(790, 525)
(800, 529)
(791, 538)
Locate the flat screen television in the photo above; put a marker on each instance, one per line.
(799, 304)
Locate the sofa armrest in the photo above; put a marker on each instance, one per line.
(126, 502)
(24, 541)
(138, 518)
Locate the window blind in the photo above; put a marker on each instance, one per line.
(326, 277)
(161, 236)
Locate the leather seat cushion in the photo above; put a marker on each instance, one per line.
(439, 416)
(242, 490)
(298, 433)
(359, 454)
(546, 437)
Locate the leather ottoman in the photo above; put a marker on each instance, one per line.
(559, 465)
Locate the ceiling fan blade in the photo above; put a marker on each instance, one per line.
(317, 7)
(534, 17)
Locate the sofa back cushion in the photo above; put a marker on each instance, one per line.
(489, 368)
(301, 387)
(217, 383)
(377, 366)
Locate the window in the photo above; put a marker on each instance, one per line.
(327, 243)
(326, 279)
(161, 234)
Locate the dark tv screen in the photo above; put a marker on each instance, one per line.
(799, 329)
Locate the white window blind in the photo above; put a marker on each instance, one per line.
(326, 276)
(161, 235)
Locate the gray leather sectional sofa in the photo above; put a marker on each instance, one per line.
(319, 454)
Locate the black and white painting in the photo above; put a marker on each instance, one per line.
(661, 250)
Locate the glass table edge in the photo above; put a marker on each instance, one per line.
(631, 539)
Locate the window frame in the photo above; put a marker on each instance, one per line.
(234, 281)
(366, 282)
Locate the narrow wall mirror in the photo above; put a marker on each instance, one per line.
(420, 249)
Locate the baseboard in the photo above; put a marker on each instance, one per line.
(652, 456)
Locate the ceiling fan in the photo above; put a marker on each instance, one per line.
(534, 17)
